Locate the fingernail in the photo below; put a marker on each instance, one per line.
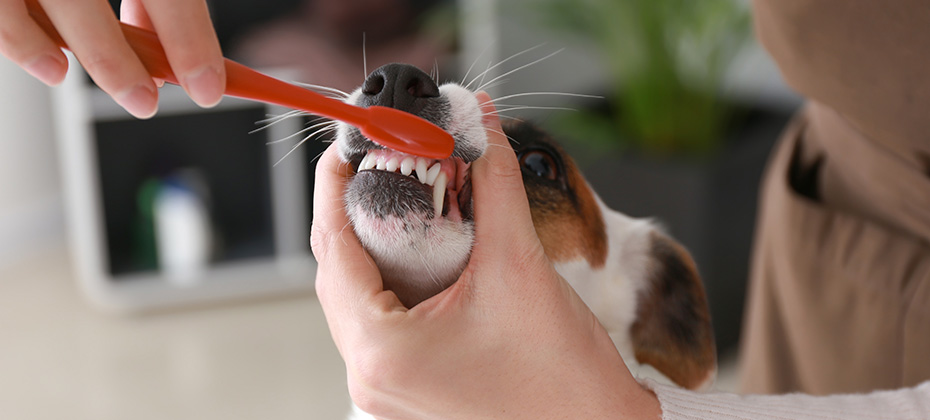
(204, 86)
(47, 68)
(141, 101)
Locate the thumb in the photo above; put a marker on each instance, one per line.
(347, 279)
(504, 229)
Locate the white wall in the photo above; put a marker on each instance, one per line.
(30, 193)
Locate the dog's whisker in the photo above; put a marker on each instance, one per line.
(485, 72)
(510, 117)
(432, 275)
(483, 86)
(334, 91)
(297, 146)
(342, 231)
(503, 134)
(364, 59)
(317, 157)
(482, 76)
(312, 127)
(500, 146)
(275, 119)
(345, 167)
(496, 84)
(550, 108)
(473, 63)
(519, 95)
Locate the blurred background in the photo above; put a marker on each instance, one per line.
(162, 268)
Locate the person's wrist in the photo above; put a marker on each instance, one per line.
(644, 403)
(652, 409)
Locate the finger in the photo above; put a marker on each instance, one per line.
(26, 44)
(346, 277)
(502, 212)
(131, 12)
(186, 31)
(92, 32)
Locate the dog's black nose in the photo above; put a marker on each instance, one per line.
(399, 86)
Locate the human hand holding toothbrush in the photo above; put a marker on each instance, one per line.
(92, 32)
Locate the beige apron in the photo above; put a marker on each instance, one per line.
(839, 299)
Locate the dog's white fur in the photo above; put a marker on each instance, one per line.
(611, 292)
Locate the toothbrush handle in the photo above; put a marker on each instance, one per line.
(386, 126)
(243, 82)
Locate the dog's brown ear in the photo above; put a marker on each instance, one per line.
(672, 331)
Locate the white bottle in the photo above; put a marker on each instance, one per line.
(182, 233)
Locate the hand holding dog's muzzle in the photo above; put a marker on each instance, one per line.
(509, 339)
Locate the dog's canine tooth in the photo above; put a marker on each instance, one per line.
(368, 162)
(439, 192)
(421, 170)
(392, 164)
(433, 173)
(406, 166)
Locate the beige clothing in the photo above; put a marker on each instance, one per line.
(840, 293)
(900, 404)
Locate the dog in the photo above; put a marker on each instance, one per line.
(414, 216)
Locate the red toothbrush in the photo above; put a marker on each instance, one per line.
(388, 127)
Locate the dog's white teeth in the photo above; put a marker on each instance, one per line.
(433, 173)
(439, 192)
(421, 170)
(392, 165)
(406, 166)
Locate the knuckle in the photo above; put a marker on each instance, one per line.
(500, 166)
(100, 63)
(321, 288)
(505, 170)
(381, 363)
(110, 72)
(321, 240)
(364, 399)
(373, 373)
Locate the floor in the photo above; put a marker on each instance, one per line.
(61, 358)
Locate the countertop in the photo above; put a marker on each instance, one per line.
(60, 358)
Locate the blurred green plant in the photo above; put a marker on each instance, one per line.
(666, 59)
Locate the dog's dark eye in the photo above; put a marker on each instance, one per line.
(540, 163)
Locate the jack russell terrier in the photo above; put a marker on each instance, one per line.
(414, 216)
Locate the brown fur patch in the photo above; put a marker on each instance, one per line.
(565, 213)
(672, 331)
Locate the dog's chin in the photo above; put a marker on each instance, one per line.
(419, 249)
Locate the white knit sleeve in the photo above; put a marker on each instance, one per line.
(906, 403)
